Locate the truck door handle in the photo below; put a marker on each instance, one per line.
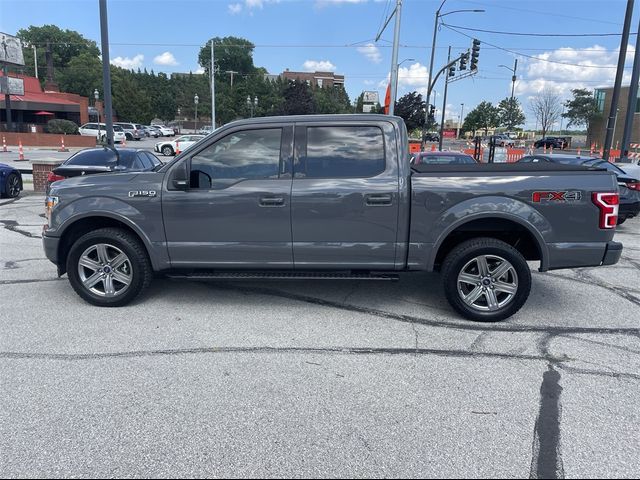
(271, 201)
(378, 199)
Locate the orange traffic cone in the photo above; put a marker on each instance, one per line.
(62, 147)
(551, 150)
(20, 151)
(592, 148)
(433, 147)
(578, 151)
(544, 148)
(177, 147)
(4, 145)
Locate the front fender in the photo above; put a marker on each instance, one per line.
(490, 207)
(146, 222)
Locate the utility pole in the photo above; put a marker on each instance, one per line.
(393, 81)
(35, 58)
(616, 88)
(106, 72)
(212, 71)
(631, 102)
(444, 102)
(394, 59)
(513, 78)
(232, 73)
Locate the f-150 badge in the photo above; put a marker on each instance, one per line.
(142, 193)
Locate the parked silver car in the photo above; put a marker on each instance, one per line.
(131, 130)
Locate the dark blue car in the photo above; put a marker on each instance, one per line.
(10, 181)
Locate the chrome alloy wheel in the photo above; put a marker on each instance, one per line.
(487, 283)
(105, 270)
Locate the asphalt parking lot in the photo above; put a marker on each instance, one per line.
(315, 378)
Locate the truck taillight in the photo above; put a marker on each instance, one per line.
(52, 177)
(633, 186)
(607, 203)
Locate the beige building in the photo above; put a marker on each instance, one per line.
(598, 127)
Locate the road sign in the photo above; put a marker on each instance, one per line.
(370, 97)
(11, 86)
(10, 50)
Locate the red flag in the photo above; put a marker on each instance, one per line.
(387, 99)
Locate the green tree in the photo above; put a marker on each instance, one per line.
(298, 99)
(411, 108)
(484, 116)
(332, 100)
(65, 45)
(581, 110)
(82, 75)
(231, 54)
(510, 113)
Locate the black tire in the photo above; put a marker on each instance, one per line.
(462, 256)
(12, 186)
(621, 221)
(128, 136)
(167, 151)
(138, 270)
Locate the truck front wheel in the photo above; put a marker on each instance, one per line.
(108, 267)
(486, 280)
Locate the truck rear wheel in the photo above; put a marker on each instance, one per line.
(108, 267)
(486, 280)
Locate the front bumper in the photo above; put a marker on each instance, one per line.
(50, 245)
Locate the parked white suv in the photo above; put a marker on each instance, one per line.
(166, 131)
(99, 131)
(184, 142)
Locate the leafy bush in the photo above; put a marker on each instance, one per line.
(58, 125)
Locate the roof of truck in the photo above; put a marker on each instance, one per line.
(362, 117)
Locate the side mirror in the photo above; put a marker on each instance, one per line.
(180, 178)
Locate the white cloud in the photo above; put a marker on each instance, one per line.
(540, 74)
(128, 63)
(323, 3)
(199, 70)
(369, 82)
(319, 66)
(235, 8)
(166, 59)
(371, 52)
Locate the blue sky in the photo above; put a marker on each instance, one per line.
(338, 35)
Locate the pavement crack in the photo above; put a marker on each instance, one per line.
(266, 350)
(546, 461)
(28, 280)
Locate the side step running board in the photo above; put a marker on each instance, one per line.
(274, 275)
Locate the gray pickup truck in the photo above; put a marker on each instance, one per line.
(329, 197)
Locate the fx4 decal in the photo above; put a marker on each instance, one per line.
(565, 196)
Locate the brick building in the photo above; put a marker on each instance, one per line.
(316, 79)
(37, 106)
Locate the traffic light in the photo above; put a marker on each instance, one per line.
(452, 70)
(475, 53)
(463, 61)
(432, 114)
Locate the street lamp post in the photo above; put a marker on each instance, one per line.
(460, 120)
(433, 51)
(252, 104)
(513, 77)
(96, 95)
(195, 100)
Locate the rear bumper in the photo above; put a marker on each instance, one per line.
(573, 255)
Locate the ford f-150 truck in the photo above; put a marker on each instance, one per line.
(333, 197)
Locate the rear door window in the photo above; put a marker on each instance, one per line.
(343, 152)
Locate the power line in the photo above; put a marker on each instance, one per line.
(531, 56)
(525, 34)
